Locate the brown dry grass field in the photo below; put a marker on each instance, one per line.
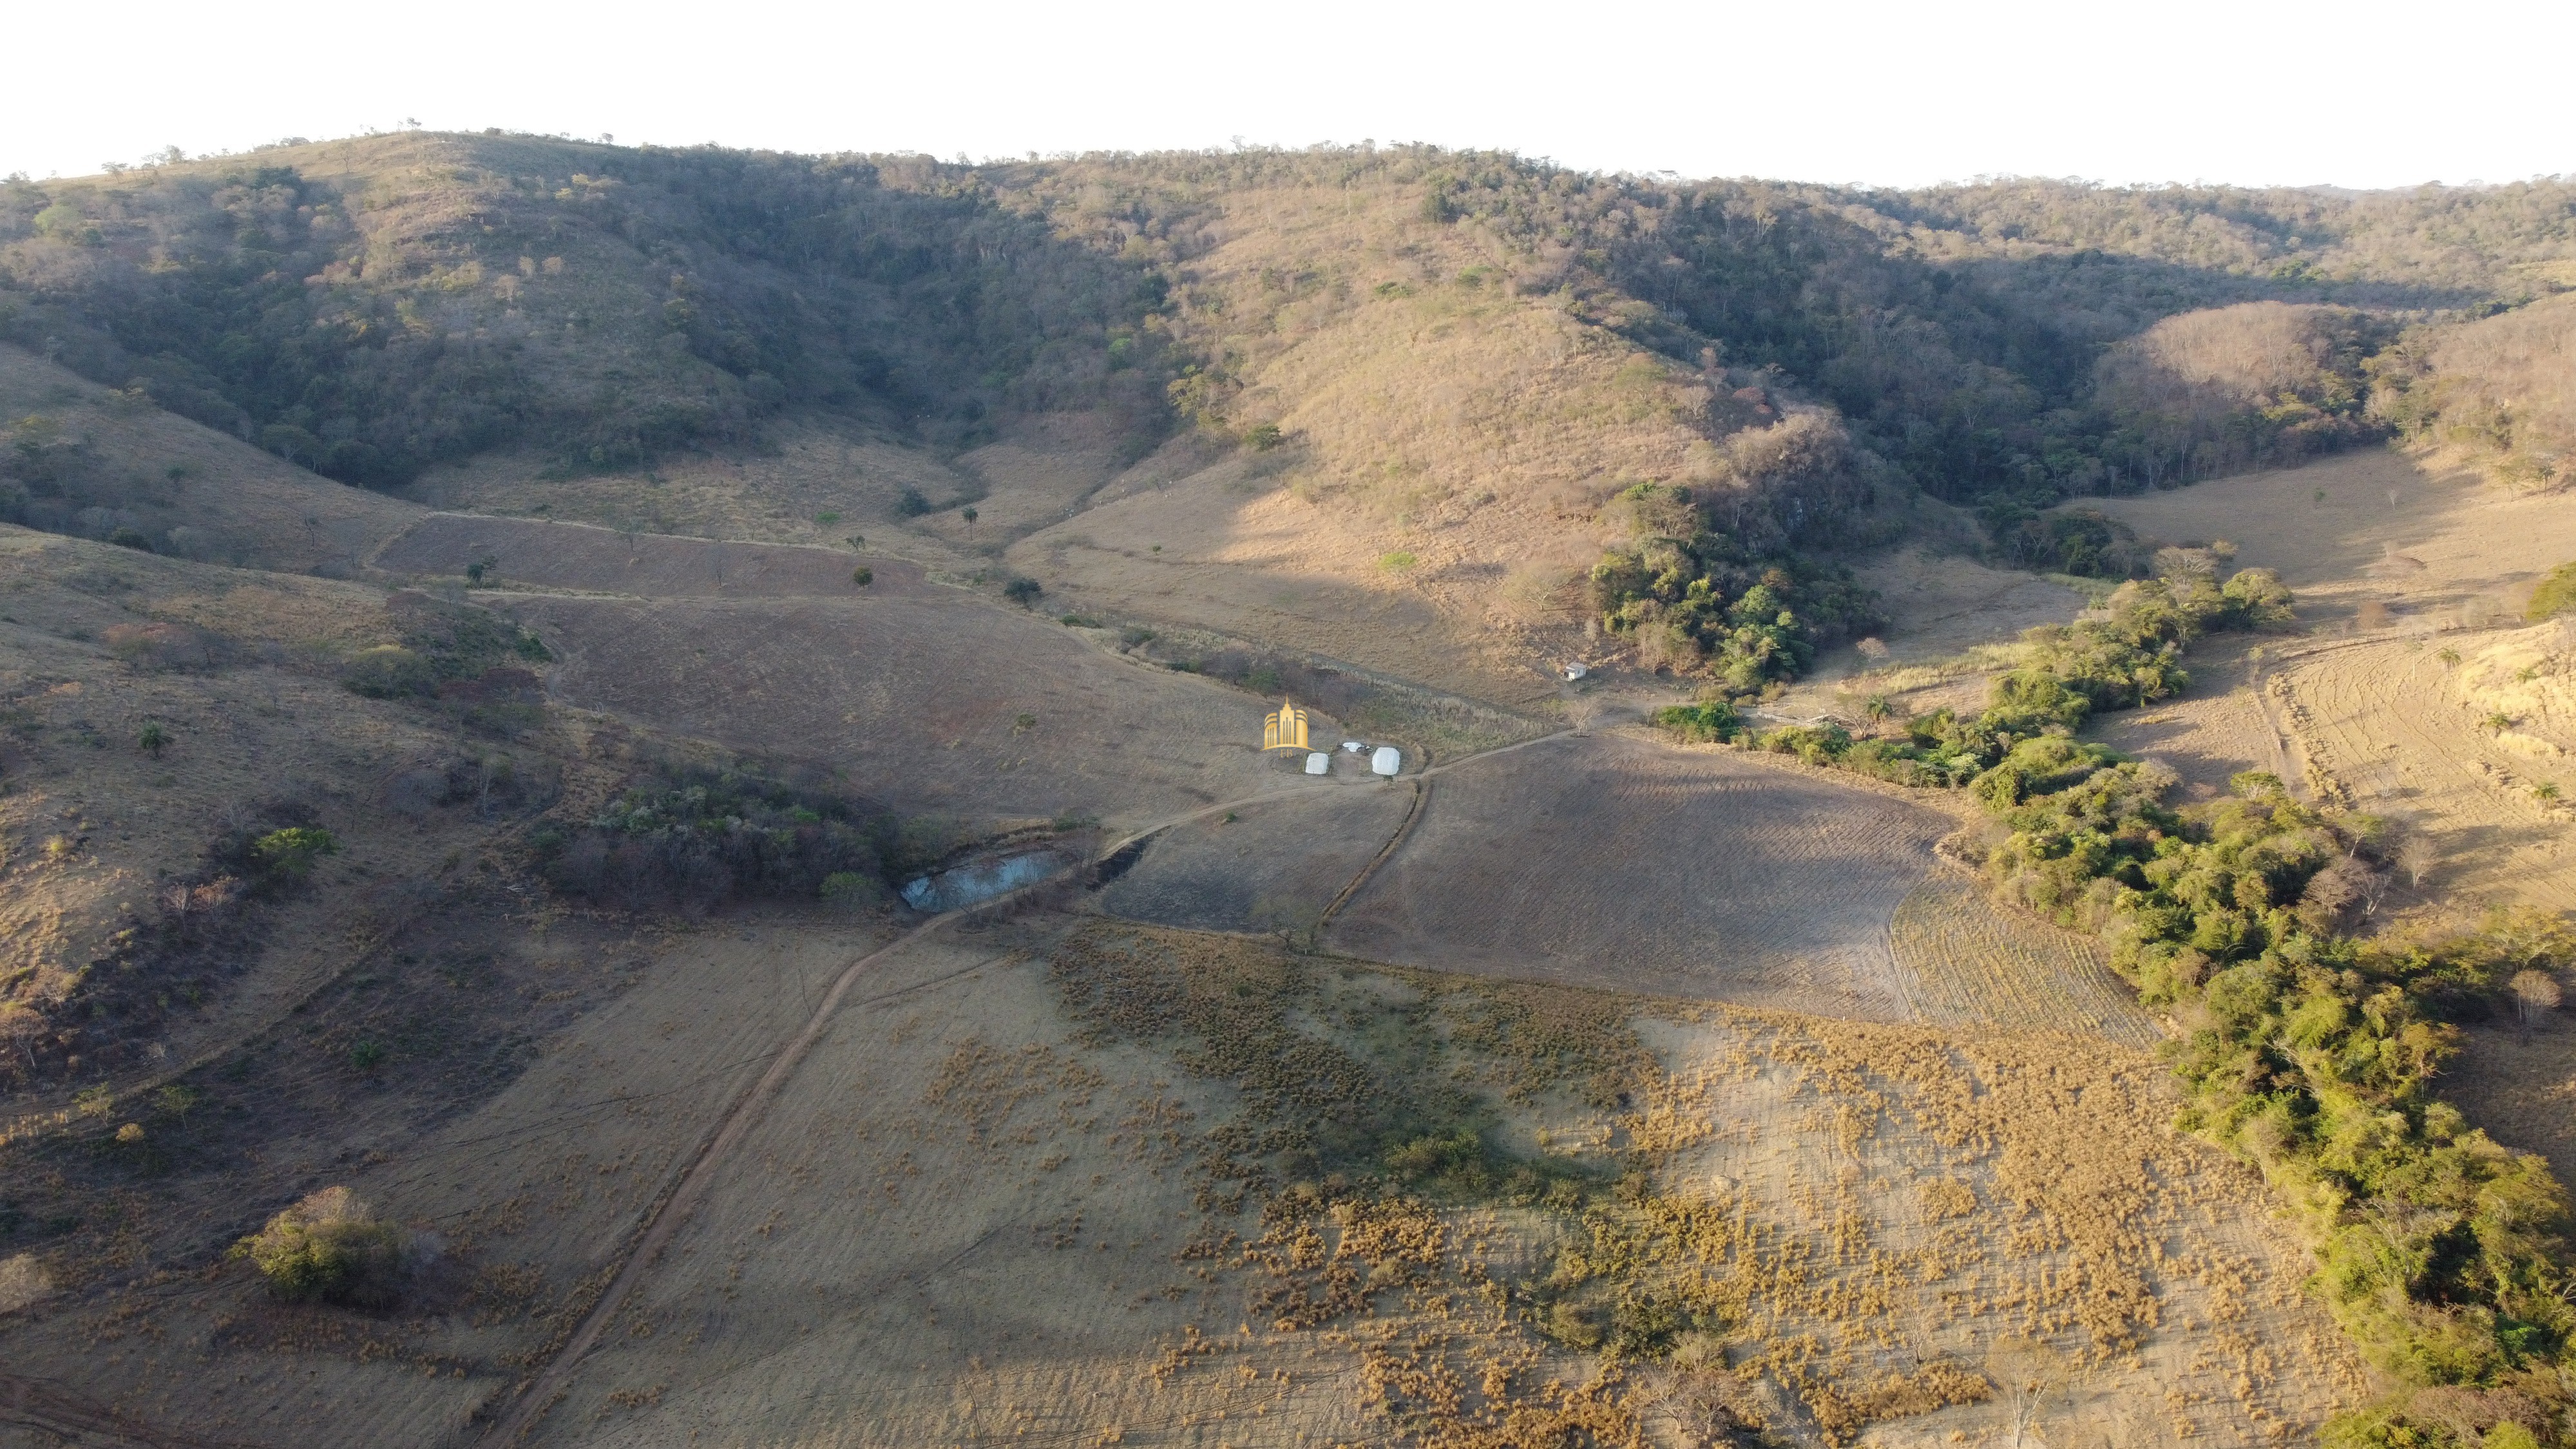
(967, 1221)
(96, 644)
(1611, 862)
(2413, 650)
(588, 558)
(158, 471)
(1274, 866)
(972, 1225)
(1892, 1134)
(939, 703)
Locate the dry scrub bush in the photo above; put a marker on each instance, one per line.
(2535, 995)
(23, 1280)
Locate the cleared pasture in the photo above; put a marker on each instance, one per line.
(1275, 867)
(2390, 726)
(937, 704)
(1611, 862)
(2385, 528)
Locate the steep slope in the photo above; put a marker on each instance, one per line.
(103, 462)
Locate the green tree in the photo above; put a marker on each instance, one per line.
(329, 1248)
(289, 854)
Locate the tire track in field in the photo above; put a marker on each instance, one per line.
(1608, 861)
(2394, 727)
(1978, 964)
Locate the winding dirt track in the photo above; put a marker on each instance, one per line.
(666, 1216)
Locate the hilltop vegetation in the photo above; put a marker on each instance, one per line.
(371, 307)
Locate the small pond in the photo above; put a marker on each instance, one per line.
(965, 885)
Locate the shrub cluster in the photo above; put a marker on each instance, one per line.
(1704, 600)
(2555, 595)
(330, 1248)
(2313, 1053)
(2129, 654)
(2029, 534)
(440, 647)
(692, 839)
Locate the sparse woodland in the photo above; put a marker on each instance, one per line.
(371, 308)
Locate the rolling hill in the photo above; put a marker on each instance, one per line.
(509, 645)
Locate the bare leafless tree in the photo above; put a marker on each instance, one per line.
(2535, 995)
(2028, 1377)
(2417, 857)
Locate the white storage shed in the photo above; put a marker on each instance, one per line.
(1387, 760)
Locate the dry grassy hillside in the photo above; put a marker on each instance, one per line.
(163, 716)
(1429, 432)
(375, 306)
(90, 461)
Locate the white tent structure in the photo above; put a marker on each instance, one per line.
(1387, 760)
(1319, 763)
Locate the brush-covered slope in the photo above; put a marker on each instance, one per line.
(371, 307)
(392, 301)
(1378, 394)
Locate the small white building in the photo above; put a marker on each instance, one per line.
(1577, 670)
(1387, 760)
(1319, 763)
(1355, 747)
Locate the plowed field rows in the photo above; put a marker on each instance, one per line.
(1614, 862)
(2386, 725)
(1975, 964)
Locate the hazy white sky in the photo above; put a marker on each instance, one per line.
(2257, 91)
